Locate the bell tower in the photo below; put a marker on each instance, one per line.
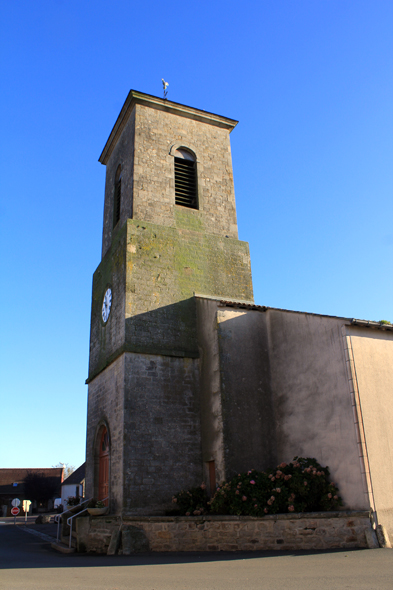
(169, 234)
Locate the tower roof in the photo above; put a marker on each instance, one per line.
(134, 97)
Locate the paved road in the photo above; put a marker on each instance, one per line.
(28, 563)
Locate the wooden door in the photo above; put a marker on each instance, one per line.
(103, 470)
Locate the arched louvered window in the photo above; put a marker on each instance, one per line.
(117, 197)
(186, 193)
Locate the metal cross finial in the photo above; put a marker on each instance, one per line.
(165, 87)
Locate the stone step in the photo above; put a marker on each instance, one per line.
(62, 547)
(65, 540)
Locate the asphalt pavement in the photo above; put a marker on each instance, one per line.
(27, 562)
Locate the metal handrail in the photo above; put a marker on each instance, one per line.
(69, 520)
(57, 518)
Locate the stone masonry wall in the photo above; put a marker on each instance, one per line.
(146, 150)
(106, 406)
(154, 272)
(162, 442)
(165, 266)
(122, 154)
(154, 195)
(107, 338)
(286, 532)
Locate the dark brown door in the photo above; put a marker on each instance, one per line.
(103, 471)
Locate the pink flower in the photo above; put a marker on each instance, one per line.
(255, 505)
(291, 508)
(329, 495)
(252, 482)
(282, 465)
(270, 475)
(197, 512)
(187, 514)
(203, 486)
(244, 498)
(265, 510)
(287, 477)
(237, 492)
(174, 499)
(273, 479)
(248, 472)
(269, 502)
(279, 473)
(335, 497)
(278, 490)
(305, 483)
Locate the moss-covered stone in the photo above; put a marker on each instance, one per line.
(154, 272)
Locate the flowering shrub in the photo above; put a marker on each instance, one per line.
(300, 486)
(94, 503)
(73, 501)
(192, 502)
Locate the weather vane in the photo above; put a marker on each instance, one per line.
(165, 87)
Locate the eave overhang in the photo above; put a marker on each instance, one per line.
(161, 104)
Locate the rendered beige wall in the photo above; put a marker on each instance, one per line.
(312, 402)
(285, 392)
(373, 362)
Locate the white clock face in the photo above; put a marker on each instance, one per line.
(106, 305)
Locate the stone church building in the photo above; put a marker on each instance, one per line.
(189, 380)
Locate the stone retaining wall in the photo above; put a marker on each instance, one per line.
(322, 530)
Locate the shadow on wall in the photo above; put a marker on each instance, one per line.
(166, 330)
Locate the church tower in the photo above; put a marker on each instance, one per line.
(169, 235)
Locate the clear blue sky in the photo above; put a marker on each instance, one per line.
(310, 82)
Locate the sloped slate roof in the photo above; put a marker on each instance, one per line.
(76, 477)
(10, 476)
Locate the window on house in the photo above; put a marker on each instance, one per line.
(117, 197)
(186, 193)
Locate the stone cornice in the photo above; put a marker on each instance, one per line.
(147, 350)
(161, 104)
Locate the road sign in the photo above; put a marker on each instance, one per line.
(15, 502)
(15, 511)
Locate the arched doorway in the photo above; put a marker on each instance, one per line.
(103, 466)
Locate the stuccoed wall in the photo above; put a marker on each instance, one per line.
(284, 392)
(212, 428)
(312, 402)
(162, 440)
(372, 354)
(248, 416)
